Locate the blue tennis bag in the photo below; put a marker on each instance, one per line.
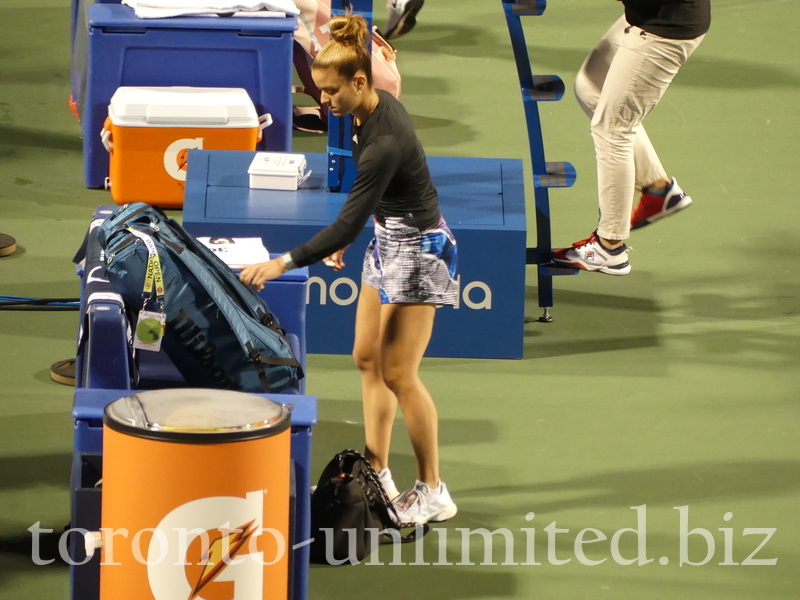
(218, 333)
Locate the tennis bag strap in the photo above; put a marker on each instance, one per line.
(238, 324)
(252, 303)
(255, 306)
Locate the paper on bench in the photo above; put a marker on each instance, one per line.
(237, 252)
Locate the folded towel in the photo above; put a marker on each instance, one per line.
(217, 6)
(145, 12)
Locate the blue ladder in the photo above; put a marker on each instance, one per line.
(535, 89)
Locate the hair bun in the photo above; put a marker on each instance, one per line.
(349, 29)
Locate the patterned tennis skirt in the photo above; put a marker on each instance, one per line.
(409, 266)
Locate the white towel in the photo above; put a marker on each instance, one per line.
(219, 6)
(146, 12)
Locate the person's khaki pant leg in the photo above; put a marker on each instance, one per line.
(620, 82)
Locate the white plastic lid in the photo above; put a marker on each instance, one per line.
(197, 415)
(182, 107)
(278, 163)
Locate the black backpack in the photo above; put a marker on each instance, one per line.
(351, 513)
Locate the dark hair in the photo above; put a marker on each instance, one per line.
(347, 51)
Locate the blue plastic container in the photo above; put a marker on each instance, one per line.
(253, 53)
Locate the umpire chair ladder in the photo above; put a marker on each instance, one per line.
(546, 175)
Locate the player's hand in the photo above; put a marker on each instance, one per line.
(255, 275)
(336, 260)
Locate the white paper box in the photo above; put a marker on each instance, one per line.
(277, 171)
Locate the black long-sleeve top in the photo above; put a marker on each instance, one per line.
(392, 181)
(672, 19)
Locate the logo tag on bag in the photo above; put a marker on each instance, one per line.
(150, 325)
(149, 330)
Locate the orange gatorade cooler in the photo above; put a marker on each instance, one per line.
(195, 497)
(149, 131)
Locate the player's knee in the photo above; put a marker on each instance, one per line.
(365, 360)
(395, 384)
(602, 131)
(397, 379)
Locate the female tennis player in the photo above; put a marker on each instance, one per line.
(409, 267)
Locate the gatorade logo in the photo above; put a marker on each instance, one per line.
(209, 549)
(175, 156)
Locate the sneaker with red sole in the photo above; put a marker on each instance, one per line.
(653, 207)
(591, 255)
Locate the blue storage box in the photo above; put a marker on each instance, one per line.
(253, 53)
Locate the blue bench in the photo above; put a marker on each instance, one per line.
(482, 199)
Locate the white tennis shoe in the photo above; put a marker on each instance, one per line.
(423, 504)
(591, 255)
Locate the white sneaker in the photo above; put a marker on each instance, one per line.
(402, 17)
(591, 255)
(389, 487)
(423, 504)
